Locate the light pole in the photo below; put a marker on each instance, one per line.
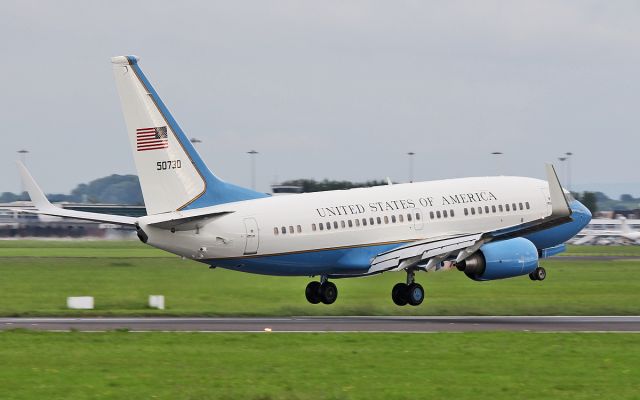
(411, 154)
(568, 154)
(564, 165)
(497, 154)
(253, 154)
(23, 158)
(23, 155)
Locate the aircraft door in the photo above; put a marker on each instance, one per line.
(252, 237)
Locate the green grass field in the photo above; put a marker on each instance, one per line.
(120, 365)
(37, 276)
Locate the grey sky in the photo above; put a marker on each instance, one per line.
(329, 89)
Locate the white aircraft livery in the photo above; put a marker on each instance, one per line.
(487, 227)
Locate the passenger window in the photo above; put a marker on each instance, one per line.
(506, 207)
(438, 214)
(527, 205)
(364, 222)
(486, 209)
(479, 210)
(290, 229)
(335, 224)
(431, 214)
(313, 227)
(321, 226)
(275, 231)
(350, 223)
(500, 207)
(409, 217)
(328, 225)
(393, 219)
(299, 229)
(371, 221)
(520, 206)
(451, 213)
(514, 207)
(343, 224)
(473, 211)
(400, 218)
(444, 213)
(466, 212)
(493, 209)
(284, 230)
(379, 220)
(417, 216)
(357, 222)
(386, 219)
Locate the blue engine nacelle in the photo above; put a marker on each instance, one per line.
(499, 260)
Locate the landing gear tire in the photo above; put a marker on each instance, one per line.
(328, 292)
(312, 292)
(399, 294)
(538, 274)
(415, 294)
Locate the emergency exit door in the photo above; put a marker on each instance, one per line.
(252, 238)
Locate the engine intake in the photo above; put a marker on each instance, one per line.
(499, 260)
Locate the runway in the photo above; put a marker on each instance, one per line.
(334, 324)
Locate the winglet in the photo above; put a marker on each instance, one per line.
(36, 194)
(559, 206)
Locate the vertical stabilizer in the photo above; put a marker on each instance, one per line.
(172, 174)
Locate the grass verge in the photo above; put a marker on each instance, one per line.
(121, 279)
(318, 366)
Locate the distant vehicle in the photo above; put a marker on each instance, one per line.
(601, 236)
(488, 227)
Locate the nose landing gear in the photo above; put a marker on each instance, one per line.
(323, 291)
(408, 293)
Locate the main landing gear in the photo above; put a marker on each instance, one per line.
(408, 293)
(323, 291)
(538, 274)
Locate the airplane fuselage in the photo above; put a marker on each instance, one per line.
(339, 232)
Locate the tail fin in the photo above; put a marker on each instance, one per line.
(172, 174)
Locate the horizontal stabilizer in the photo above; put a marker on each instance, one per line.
(44, 207)
(186, 220)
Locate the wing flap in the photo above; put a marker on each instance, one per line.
(421, 251)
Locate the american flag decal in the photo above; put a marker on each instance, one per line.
(152, 138)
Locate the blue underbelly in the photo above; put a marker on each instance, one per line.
(345, 261)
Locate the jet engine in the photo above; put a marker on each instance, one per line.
(499, 260)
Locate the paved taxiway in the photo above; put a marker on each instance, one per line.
(335, 324)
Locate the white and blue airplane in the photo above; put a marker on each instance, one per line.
(488, 227)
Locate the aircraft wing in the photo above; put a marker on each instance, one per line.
(44, 207)
(428, 254)
(425, 253)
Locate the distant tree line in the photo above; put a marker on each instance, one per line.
(113, 189)
(311, 185)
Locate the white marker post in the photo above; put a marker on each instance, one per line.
(156, 301)
(80, 303)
